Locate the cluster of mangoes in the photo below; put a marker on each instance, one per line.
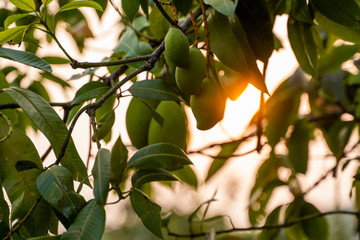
(207, 99)
(144, 129)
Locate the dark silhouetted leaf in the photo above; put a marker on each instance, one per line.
(143, 176)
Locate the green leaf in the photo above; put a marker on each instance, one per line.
(129, 44)
(39, 89)
(143, 176)
(271, 220)
(332, 60)
(56, 60)
(298, 146)
(145, 6)
(160, 155)
(79, 4)
(148, 211)
(46, 2)
(227, 150)
(183, 6)
(55, 79)
(19, 147)
(130, 8)
(89, 224)
(333, 85)
(119, 156)
(27, 5)
(303, 44)
(300, 11)
(346, 13)
(4, 215)
(158, 25)
(105, 125)
(255, 18)
(222, 35)
(57, 188)
(186, 175)
(101, 173)
(46, 238)
(11, 33)
(345, 33)
(50, 124)
(13, 18)
(90, 91)
(226, 7)
(156, 89)
(25, 58)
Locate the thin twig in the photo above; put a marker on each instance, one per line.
(164, 13)
(268, 227)
(75, 64)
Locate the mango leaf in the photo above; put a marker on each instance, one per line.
(119, 156)
(46, 238)
(333, 85)
(158, 25)
(25, 58)
(105, 125)
(145, 6)
(183, 6)
(57, 188)
(298, 146)
(311, 229)
(303, 44)
(23, 183)
(101, 173)
(222, 35)
(129, 44)
(55, 79)
(89, 91)
(346, 13)
(4, 215)
(226, 7)
(56, 60)
(300, 11)
(27, 5)
(255, 18)
(39, 89)
(271, 220)
(89, 224)
(147, 210)
(186, 175)
(161, 155)
(11, 33)
(344, 32)
(332, 60)
(50, 124)
(130, 8)
(13, 18)
(156, 89)
(227, 150)
(79, 4)
(143, 176)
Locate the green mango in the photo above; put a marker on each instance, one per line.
(189, 79)
(138, 118)
(174, 127)
(177, 47)
(208, 106)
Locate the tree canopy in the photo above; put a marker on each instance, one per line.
(172, 56)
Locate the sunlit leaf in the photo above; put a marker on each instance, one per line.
(148, 211)
(13, 18)
(186, 175)
(11, 33)
(49, 123)
(25, 58)
(56, 60)
(27, 5)
(157, 23)
(226, 7)
(143, 176)
(161, 155)
(89, 224)
(79, 4)
(101, 173)
(156, 89)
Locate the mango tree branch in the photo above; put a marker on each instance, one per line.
(75, 64)
(268, 227)
(164, 13)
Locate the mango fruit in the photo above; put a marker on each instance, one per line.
(138, 118)
(177, 47)
(174, 127)
(189, 79)
(208, 106)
